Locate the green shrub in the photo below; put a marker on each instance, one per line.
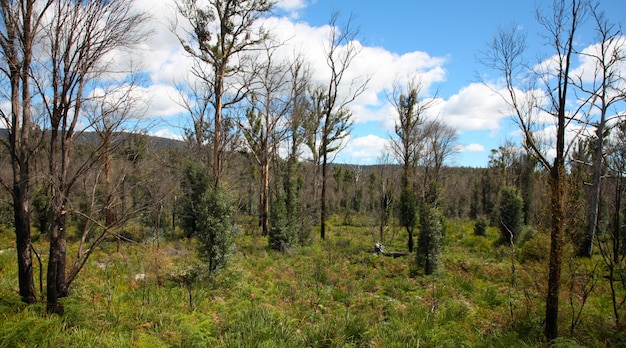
(480, 226)
(430, 240)
(511, 215)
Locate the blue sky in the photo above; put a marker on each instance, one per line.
(440, 39)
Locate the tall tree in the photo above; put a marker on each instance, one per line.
(223, 32)
(604, 91)
(340, 50)
(527, 104)
(264, 125)
(81, 39)
(407, 146)
(21, 24)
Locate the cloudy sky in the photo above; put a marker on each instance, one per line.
(440, 40)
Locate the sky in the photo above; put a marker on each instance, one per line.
(440, 40)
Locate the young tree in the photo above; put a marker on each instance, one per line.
(430, 240)
(208, 214)
(223, 32)
(20, 26)
(505, 55)
(511, 215)
(81, 36)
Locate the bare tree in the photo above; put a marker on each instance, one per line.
(223, 32)
(264, 127)
(440, 142)
(505, 55)
(340, 49)
(81, 36)
(19, 30)
(607, 88)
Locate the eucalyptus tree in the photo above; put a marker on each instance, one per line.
(439, 141)
(332, 99)
(19, 31)
(265, 124)
(81, 41)
(407, 146)
(605, 89)
(529, 104)
(222, 34)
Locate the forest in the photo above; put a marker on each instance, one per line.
(247, 233)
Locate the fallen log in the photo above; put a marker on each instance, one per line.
(379, 249)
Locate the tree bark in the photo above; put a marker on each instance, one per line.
(556, 251)
(23, 243)
(323, 204)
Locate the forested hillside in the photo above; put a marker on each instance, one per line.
(248, 232)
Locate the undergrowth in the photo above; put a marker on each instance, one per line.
(332, 293)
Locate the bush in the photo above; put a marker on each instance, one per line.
(511, 215)
(283, 229)
(430, 240)
(215, 231)
(480, 226)
(207, 214)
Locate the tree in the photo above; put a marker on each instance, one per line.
(511, 215)
(340, 49)
(603, 92)
(407, 146)
(223, 32)
(439, 144)
(21, 24)
(611, 243)
(408, 213)
(264, 126)
(81, 37)
(430, 240)
(505, 55)
(286, 216)
(206, 214)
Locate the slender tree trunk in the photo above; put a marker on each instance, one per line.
(265, 187)
(23, 243)
(323, 203)
(556, 250)
(56, 264)
(595, 187)
(217, 137)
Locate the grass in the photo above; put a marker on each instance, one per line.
(333, 293)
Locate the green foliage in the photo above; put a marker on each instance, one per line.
(511, 215)
(430, 240)
(408, 208)
(207, 214)
(332, 293)
(282, 233)
(480, 226)
(215, 231)
(194, 184)
(41, 212)
(408, 213)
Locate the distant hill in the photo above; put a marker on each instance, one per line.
(92, 137)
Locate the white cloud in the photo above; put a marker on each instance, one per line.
(471, 148)
(291, 6)
(474, 107)
(166, 133)
(364, 150)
